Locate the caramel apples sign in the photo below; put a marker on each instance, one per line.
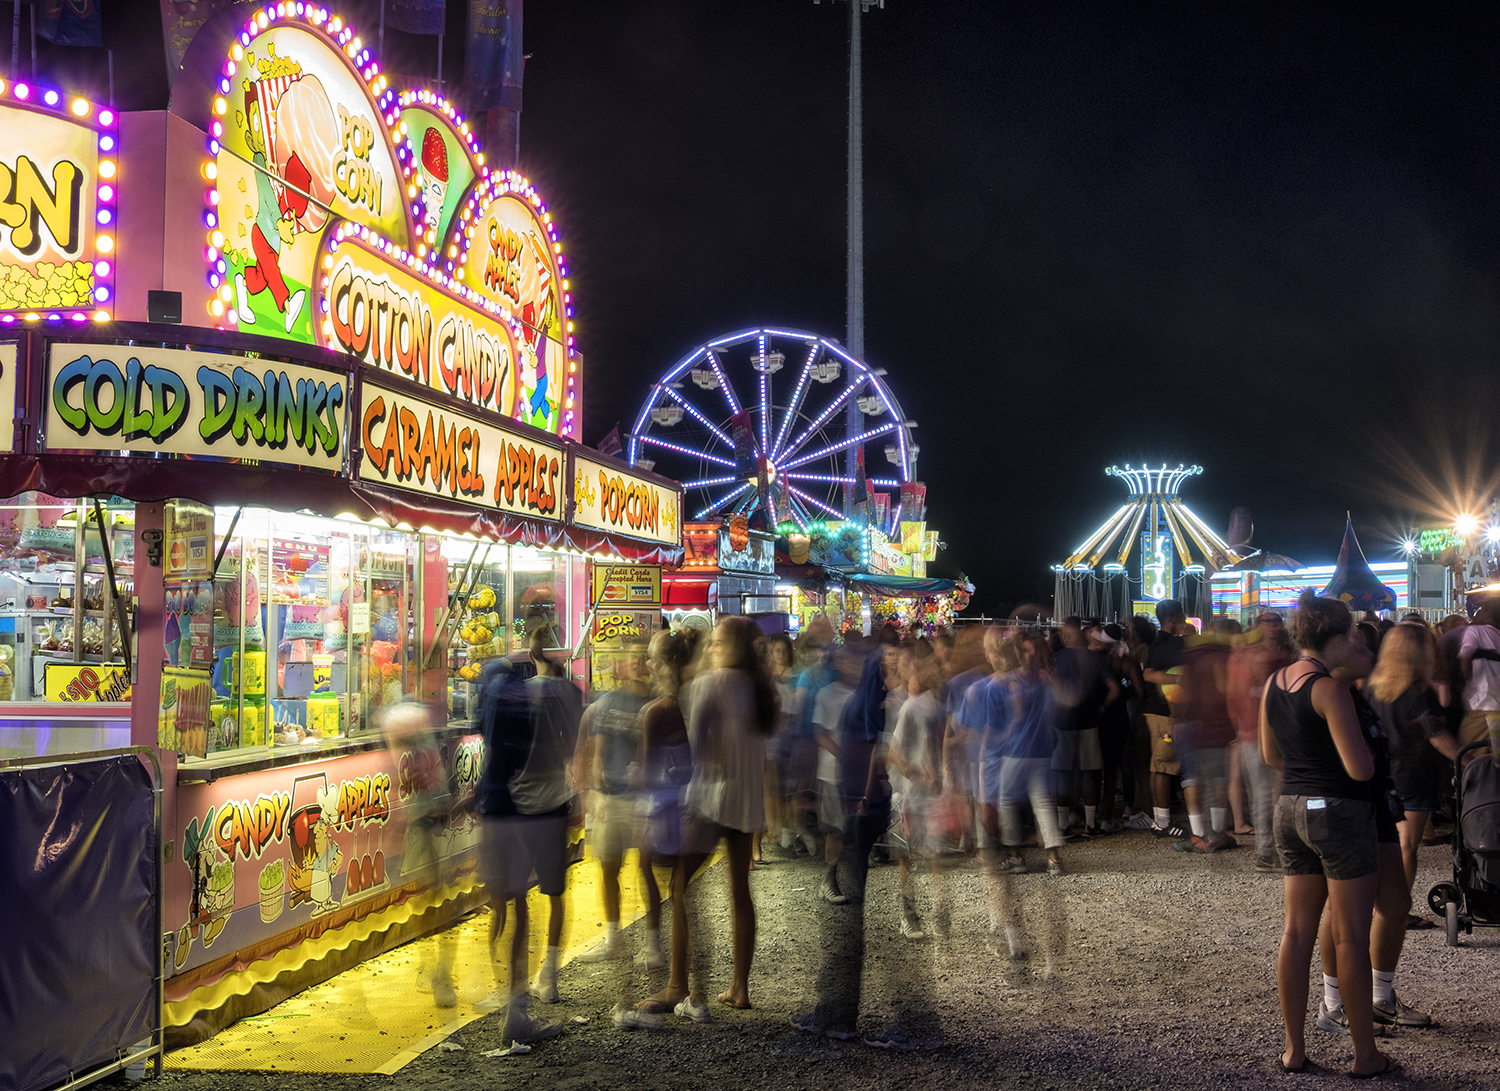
(410, 444)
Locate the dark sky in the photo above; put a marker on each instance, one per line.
(1261, 239)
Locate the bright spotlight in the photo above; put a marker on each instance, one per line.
(1493, 534)
(1408, 546)
(1466, 524)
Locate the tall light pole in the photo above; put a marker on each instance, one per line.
(854, 318)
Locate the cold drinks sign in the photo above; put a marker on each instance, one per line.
(115, 398)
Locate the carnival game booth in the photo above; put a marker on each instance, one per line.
(237, 545)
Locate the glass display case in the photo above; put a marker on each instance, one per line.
(66, 599)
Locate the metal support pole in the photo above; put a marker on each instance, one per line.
(440, 64)
(380, 48)
(15, 40)
(855, 267)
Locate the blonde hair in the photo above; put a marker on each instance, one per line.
(1406, 660)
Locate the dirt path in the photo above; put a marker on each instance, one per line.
(1150, 969)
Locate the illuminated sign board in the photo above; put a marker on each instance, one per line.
(627, 584)
(58, 180)
(508, 251)
(1156, 565)
(606, 498)
(7, 397)
(325, 180)
(299, 142)
(392, 320)
(410, 444)
(117, 398)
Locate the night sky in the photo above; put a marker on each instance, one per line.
(1262, 240)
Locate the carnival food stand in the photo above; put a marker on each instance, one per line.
(351, 477)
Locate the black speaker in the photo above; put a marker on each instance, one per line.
(164, 307)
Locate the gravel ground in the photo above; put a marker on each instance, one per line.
(1150, 969)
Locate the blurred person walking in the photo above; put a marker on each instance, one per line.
(1264, 652)
(914, 762)
(1084, 689)
(1204, 733)
(731, 713)
(609, 749)
(407, 726)
(780, 661)
(1479, 660)
(1325, 827)
(530, 729)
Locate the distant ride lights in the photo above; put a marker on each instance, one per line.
(1096, 579)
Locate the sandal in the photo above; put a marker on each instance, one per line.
(1414, 922)
(1390, 1066)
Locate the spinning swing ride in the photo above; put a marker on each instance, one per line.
(782, 450)
(1096, 580)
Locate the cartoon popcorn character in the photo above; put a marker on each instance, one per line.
(434, 176)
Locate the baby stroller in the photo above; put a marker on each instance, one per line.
(1473, 897)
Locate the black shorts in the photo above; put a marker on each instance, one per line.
(1334, 837)
(511, 848)
(1419, 782)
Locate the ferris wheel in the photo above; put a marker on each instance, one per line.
(774, 419)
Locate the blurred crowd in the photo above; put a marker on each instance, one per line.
(1326, 745)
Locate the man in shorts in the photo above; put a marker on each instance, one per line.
(1084, 688)
(609, 754)
(1162, 657)
(1204, 734)
(525, 794)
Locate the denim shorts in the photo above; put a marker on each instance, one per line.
(1336, 840)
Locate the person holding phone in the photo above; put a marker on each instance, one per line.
(1324, 825)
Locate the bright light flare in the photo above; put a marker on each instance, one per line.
(1466, 524)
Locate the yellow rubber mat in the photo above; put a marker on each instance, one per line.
(380, 1015)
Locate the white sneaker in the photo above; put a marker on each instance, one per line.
(522, 1026)
(607, 951)
(630, 1019)
(495, 1001)
(544, 986)
(442, 988)
(242, 299)
(698, 1013)
(294, 308)
(651, 959)
(786, 838)
(911, 928)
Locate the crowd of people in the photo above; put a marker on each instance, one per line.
(1323, 743)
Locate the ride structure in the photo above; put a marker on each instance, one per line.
(1177, 554)
(744, 441)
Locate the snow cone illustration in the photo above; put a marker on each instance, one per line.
(434, 176)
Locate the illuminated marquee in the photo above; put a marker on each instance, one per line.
(389, 318)
(606, 498)
(58, 180)
(310, 147)
(116, 398)
(411, 444)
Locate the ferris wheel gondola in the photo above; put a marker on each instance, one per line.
(726, 421)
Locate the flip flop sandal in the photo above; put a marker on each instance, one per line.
(1390, 1067)
(1414, 923)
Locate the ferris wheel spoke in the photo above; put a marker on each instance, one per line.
(833, 408)
(822, 479)
(853, 441)
(814, 501)
(734, 405)
(684, 450)
(765, 396)
(709, 482)
(795, 406)
(696, 415)
(723, 501)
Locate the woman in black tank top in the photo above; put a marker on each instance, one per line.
(1324, 825)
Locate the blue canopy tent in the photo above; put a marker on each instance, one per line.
(1353, 582)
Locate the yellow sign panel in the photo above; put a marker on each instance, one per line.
(49, 211)
(627, 584)
(177, 401)
(87, 682)
(7, 396)
(411, 444)
(511, 262)
(302, 143)
(393, 321)
(606, 498)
